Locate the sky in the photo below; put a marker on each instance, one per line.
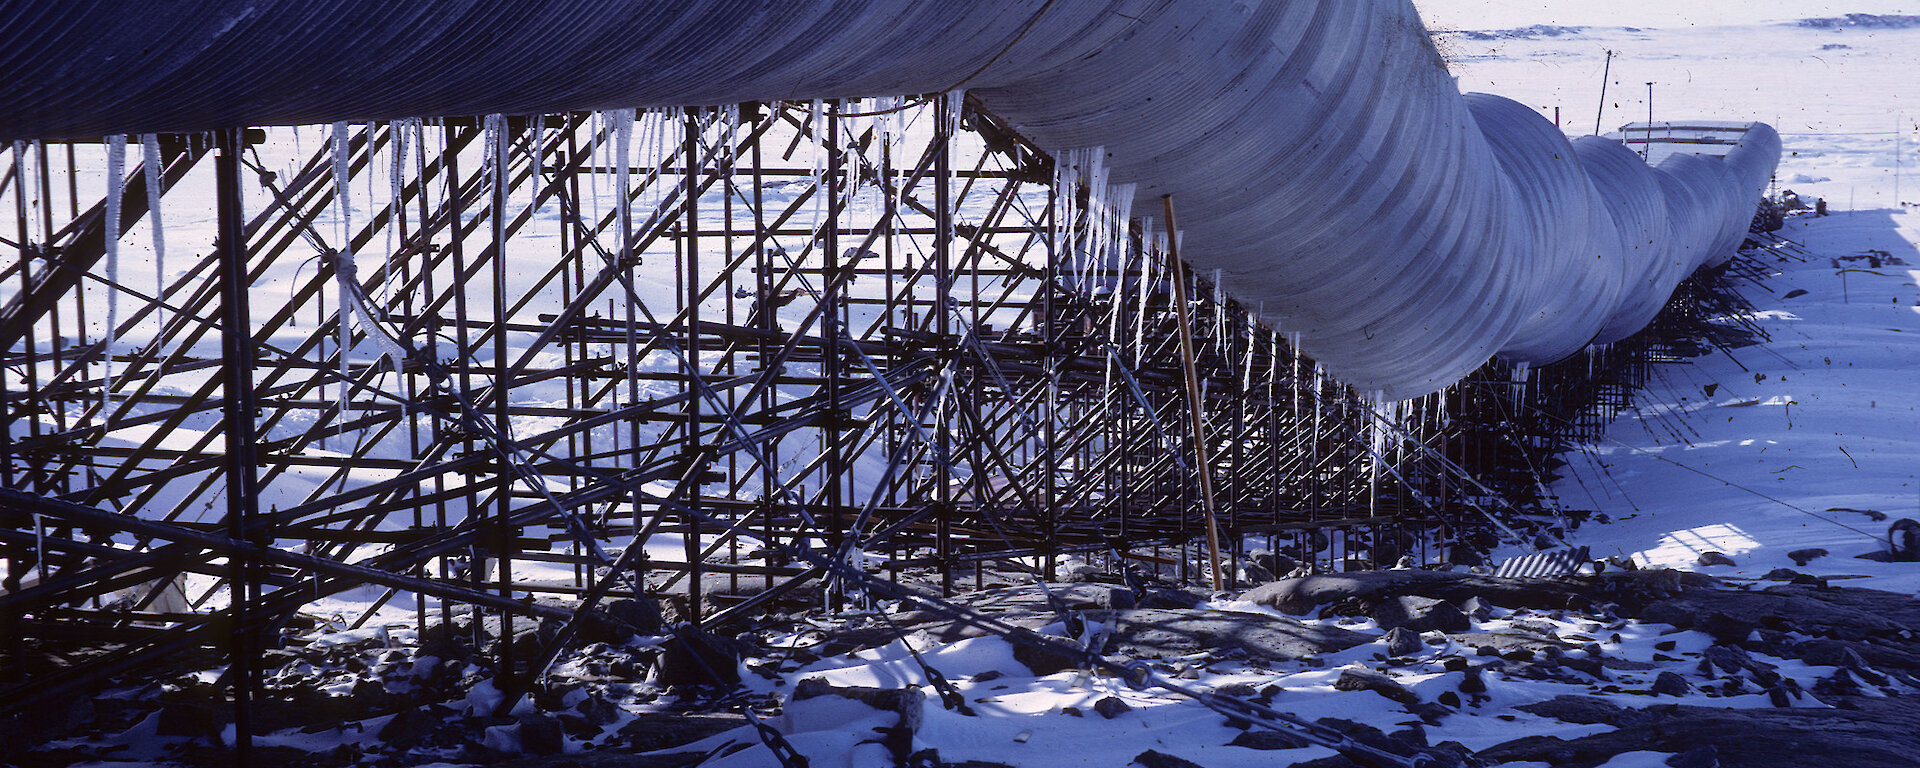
(1502, 14)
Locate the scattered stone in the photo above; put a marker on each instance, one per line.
(597, 709)
(1476, 608)
(1710, 558)
(1628, 589)
(541, 734)
(1420, 614)
(1671, 684)
(410, 726)
(1471, 682)
(1081, 572)
(1272, 562)
(1252, 573)
(652, 731)
(1156, 759)
(1903, 540)
(694, 657)
(908, 703)
(1164, 633)
(1698, 757)
(1803, 556)
(1725, 628)
(1262, 738)
(1171, 599)
(1237, 690)
(1449, 698)
(1041, 662)
(1873, 733)
(1414, 736)
(1782, 574)
(1401, 641)
(1111, 707)
(1581, 710)
(627, 617)
(1362, 679)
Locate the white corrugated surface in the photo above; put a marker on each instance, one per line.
(1319, 153)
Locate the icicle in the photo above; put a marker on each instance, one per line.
(1122, 217)
(623, 120)
(1219, 309)
(396, 190)
(956, 101)
(343, 259)
(535, 143)
(116, 187)
(597, 129)
(150, 160)
(816, 123)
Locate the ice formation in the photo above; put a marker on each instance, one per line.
(1322, 158)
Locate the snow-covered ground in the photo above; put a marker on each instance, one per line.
(1769, 450)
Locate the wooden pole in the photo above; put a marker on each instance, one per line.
(1201, 465)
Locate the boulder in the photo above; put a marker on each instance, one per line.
(1362, 679)
(1420, 614)
(1401, 641)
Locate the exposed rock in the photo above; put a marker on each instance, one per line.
(698, 658)
(624, 618)
(908, 703)
(1471, 681)
(1849, 614)
(1803, 556)
(1701, 757)
(1872, 733)
(1162, 633)
(1022, 606)
(1671, 684)
(1042, 662)
(1782, 574)
(652, 731)
(540, 734)
(1111, 707)
(1262, 738)
(1420, 614)
(1724, 628)
(1476, 608)
(1583, 710)
(1709, 559)
(1401, 641)
(1630, 589)
(1171, 599)
(1153, 758)
(1272, 562)
(1362, 679)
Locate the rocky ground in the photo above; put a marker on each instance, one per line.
(1624, 668)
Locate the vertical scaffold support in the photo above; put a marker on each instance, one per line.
(243, 500)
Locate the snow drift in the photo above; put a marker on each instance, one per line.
(1321, 157)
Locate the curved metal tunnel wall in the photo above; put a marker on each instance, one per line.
(1322, 159)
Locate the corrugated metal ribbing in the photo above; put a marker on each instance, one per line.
(1322, 158)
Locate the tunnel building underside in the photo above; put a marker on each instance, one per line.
(894, 296)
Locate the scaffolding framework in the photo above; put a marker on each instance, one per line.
(473, 361)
